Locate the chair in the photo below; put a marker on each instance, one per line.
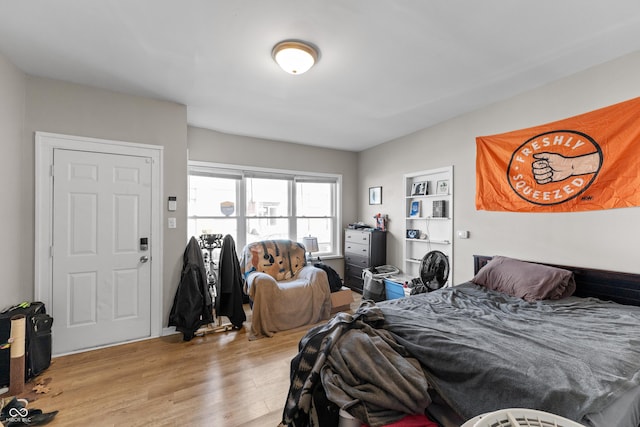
(285, 292)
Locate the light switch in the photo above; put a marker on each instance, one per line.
(463, 234)
(172, 222)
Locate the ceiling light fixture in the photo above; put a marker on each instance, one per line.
(294, 57)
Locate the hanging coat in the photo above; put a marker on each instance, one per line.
(192, 305)
(229, 286)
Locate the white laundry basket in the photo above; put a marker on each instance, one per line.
(373, 287)
(520, 417)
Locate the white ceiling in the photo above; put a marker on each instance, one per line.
(386, 68)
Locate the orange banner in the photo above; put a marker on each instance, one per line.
(586, 162)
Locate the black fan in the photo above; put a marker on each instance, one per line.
(434, 270)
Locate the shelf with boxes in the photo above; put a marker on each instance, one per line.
(429, 216)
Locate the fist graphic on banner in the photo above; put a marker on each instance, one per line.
(552, 167)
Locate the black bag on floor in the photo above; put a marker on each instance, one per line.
(37, 340)
(335, 282)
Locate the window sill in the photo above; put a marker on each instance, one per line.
(325, 257)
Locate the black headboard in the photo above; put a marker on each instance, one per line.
(604, 284)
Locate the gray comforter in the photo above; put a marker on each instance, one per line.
(484, 351)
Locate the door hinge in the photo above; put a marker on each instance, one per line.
(51, 251)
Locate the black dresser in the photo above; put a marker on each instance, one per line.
(362, 249)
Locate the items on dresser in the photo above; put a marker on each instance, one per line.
(358, 226)
(381, 221)
(363, 248)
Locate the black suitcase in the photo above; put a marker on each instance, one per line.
(37, 340)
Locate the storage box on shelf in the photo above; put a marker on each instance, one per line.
(363, 248)
(429, 216)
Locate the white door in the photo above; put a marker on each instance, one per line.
(101, 280)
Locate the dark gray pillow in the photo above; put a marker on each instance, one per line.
(525, 279)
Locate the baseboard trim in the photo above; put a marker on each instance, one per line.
(169, 331)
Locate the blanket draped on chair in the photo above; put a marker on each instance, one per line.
(285, 291)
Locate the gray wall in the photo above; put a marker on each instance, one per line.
(29, 104)
(16, 250)
(604, 239)
(59, 107)
(607, 239)
(211, 146)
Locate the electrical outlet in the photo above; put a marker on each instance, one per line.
(463, 234)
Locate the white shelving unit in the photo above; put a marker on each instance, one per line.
(433, 219)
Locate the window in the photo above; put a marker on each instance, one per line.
(262, 204)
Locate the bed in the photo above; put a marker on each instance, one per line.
(480, 346)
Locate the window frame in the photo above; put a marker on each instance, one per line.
(241, 172)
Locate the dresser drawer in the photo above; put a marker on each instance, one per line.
(354, 283)
(353, 271)
(356, 249)
(356, 236)
(359, 260)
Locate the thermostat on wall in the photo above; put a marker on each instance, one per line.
(173, 203)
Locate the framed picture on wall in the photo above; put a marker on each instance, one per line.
(419, 188)
(413, 233)
(415, 208)
(442, 187)
(375, 195)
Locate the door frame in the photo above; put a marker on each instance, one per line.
(45, 144)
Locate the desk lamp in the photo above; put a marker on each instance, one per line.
(310, 245)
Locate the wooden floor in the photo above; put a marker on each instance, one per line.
(221, 379)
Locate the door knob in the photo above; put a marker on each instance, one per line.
(144, 259)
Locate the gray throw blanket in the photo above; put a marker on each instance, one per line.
(362, 368)
(372, 377)
(483, 350)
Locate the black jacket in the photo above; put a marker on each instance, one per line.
(229, 286)
(192, 305)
